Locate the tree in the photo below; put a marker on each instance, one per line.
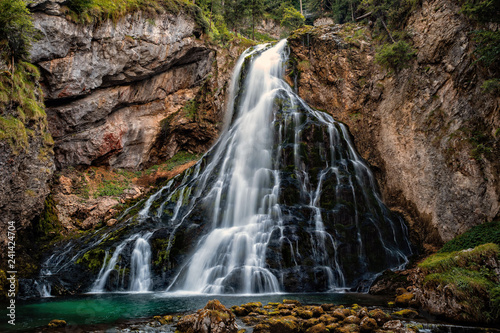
(16, 30)
(292, 19)
(256, 10)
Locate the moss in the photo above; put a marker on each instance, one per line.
(469, 276)
(481, 234)
(113, 188)
(93, 259)
(48, 227)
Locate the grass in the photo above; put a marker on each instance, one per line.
(470, 277)
(91, 11)
(481, 234)
(111, 188)
(23, 112)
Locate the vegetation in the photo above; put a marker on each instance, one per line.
(395, 56)
(487, 41)
(469, 275)
(16, 30)
(478, 235)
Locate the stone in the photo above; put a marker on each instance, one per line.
(213, 318)
(380, 316)
(351, 320)
(339, 314)
(406, 313)
(396, 326)
(404, 299)
(368, 324)
(239, 311)
(319, 328)
(57, 323)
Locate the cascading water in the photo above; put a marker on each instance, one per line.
(282, 202)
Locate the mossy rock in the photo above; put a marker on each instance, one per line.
(319, 328)
(404, 299)
(406, 313)
(56, 323)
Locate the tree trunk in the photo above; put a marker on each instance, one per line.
(301, 11)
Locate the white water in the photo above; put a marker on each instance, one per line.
(237, 190)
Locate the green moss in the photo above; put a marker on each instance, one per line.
(112, 188)
(481, 234)
(100, 10)
(48, 227)
(395, 56)
(93, 259)
(469, 276)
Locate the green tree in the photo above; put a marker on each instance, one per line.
(395, 56)
(256, 11)
(16, 30)
(292, 19)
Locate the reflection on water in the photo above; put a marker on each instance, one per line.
(110, 308)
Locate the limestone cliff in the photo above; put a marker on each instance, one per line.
(429, 131)
(108, 87)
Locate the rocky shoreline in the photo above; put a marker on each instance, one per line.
(288, 316)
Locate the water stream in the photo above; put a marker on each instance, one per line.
(281, 203)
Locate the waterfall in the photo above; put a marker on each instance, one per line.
(281, 203)
(140, 271)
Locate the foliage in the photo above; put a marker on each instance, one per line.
(100, 10)
(488, 47)
(190, 108)
(481, 234)
(16, 30)
(395, 56)
(292, 19)
(482, 10)
(470, 277)
(491, 86)
(180, 158)
(22, 111)
(112, 188)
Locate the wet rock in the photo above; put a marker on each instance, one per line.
(396, 326)
(406, 313)
(319, 328)
(350, 328)
(303, 313)
(404, 299)
(291, 301)
(287, 324)
(368, 324)
(327, 319)
(317, 311)
(351, 320)
(380, 316)
(239, 311)
(56, 323)
(213, 318)
(339, 314)
(328, 307)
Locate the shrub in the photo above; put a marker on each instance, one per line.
(395, 56)
(292, 18)
(491, 87)
(481, 234)
(16, 30)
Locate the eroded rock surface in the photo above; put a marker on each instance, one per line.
(115, 91)
(420, 128)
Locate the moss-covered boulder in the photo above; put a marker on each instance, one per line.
(214, 318)
(462, 286)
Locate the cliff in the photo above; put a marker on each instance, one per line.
(429, 131)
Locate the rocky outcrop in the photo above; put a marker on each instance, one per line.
(113, 88)
(26, 155)
(214, 318)
(428, 130)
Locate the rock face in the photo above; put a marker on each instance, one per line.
(113, 89)
(428, 130)
(26, 166)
